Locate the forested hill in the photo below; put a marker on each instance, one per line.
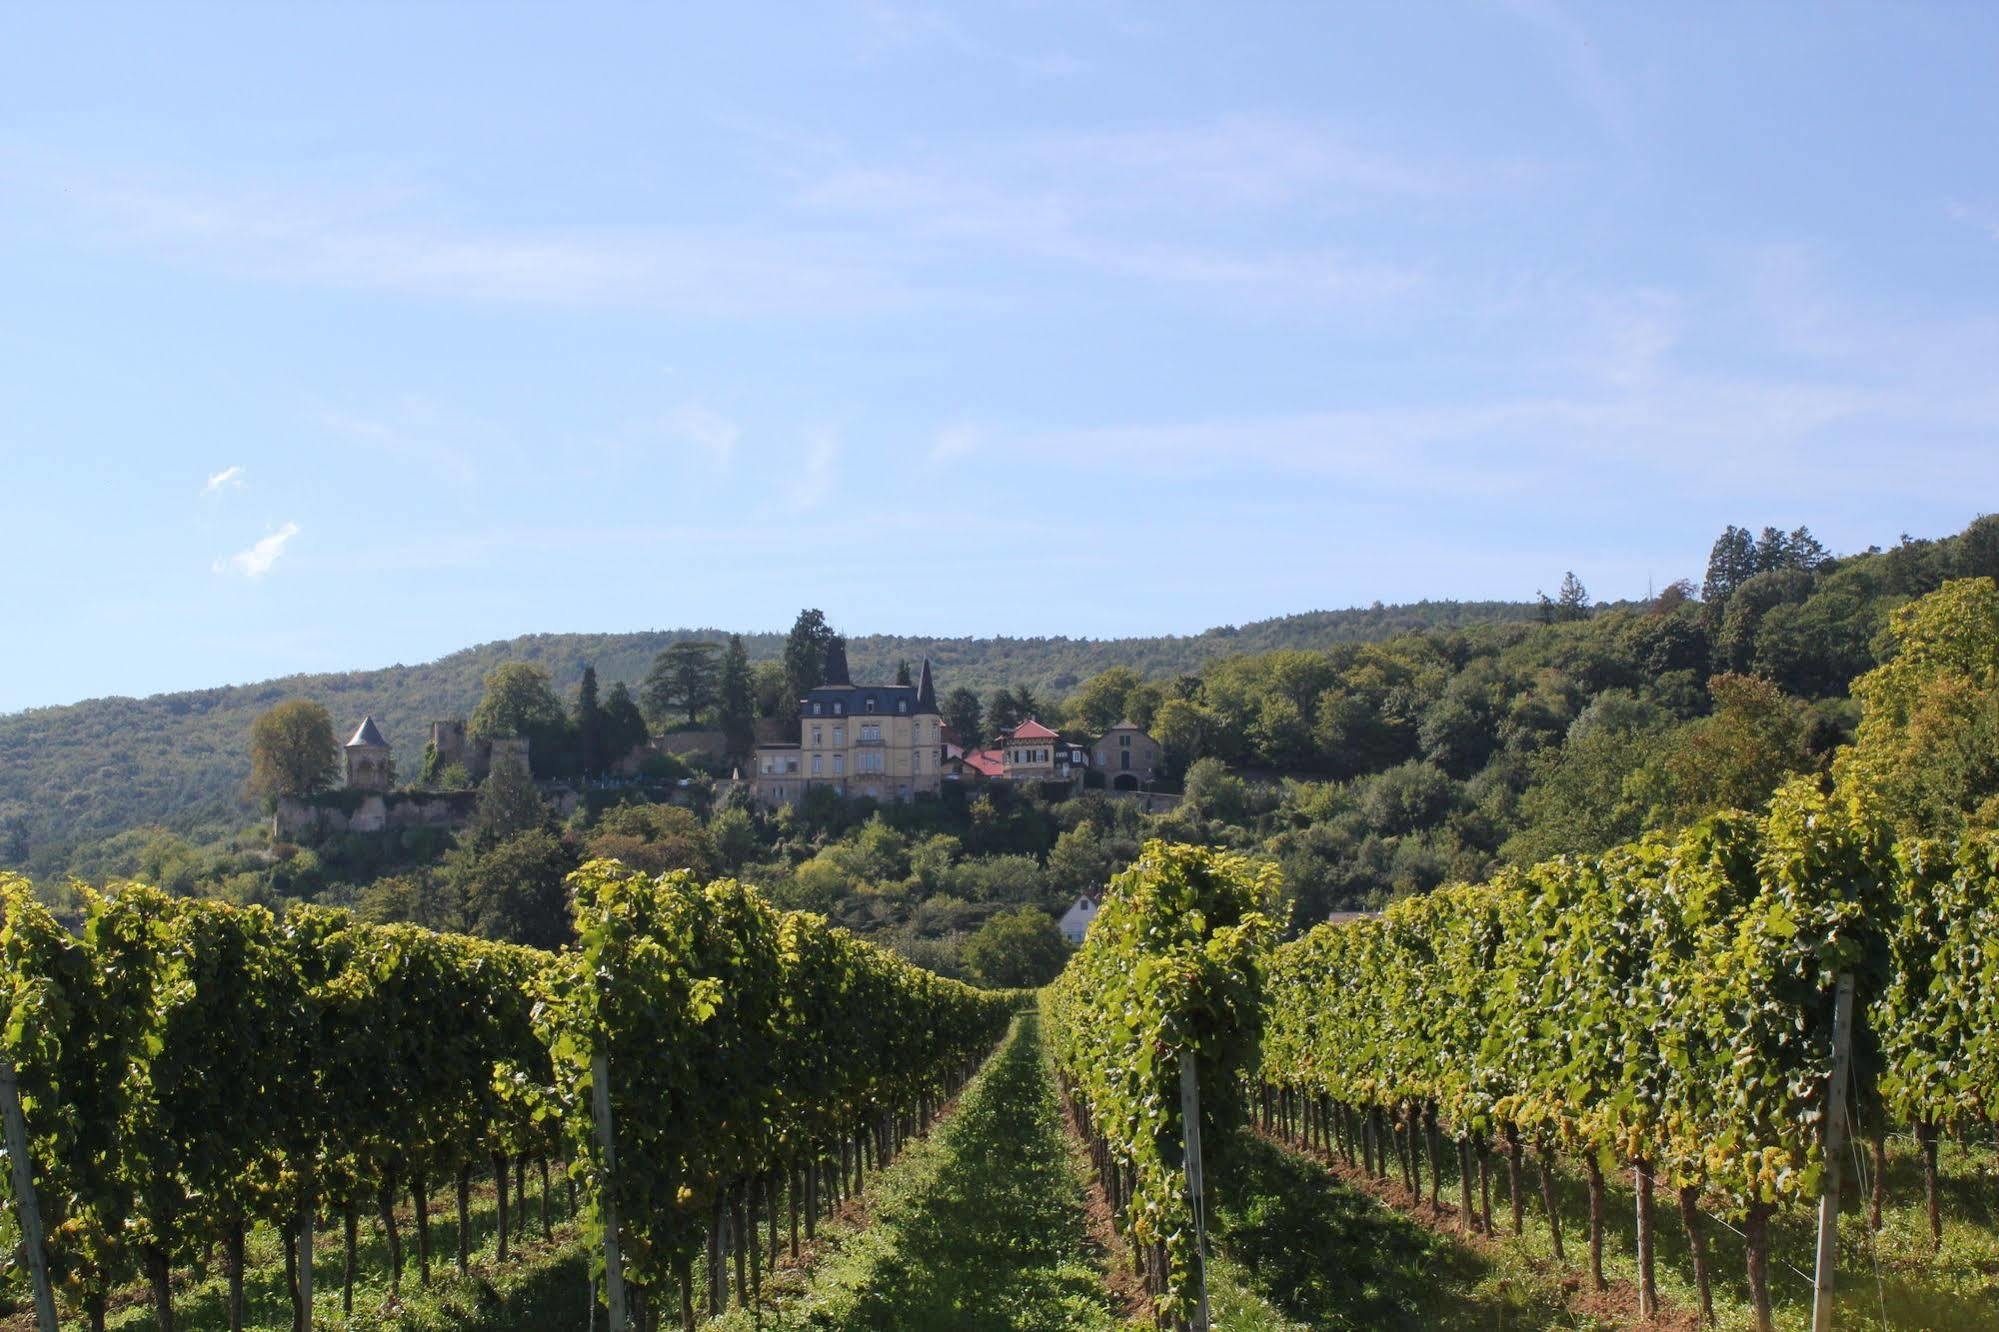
(74, 774)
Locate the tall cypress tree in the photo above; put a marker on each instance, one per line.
(590, 739)
(738, 702)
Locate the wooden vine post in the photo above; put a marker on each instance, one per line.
(1835, 1143)
(25, 1204)
(614, 1275)
(1190, 1119)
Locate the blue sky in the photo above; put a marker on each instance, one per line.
(338, 336)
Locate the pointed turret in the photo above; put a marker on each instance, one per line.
(926, 693)
(836, 662)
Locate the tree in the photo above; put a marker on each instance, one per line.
(516, 889)
(508, 804)
(769, 689)
(1182, 728)
(1730, 563)
(685, 678)
(964, 716)
(902, 673)
(1927, 749)
(1022, 948)
(591, 754)
(1571, 602)
(292, 750)
(736, 700)
(520, 701)
(1101, 702)
(653, 838)
(624, 725)
(1735, 757)
(804, 658)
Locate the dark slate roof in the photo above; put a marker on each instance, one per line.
(926, 693)
(367, 733)
(854, 699)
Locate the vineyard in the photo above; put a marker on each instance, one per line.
(704, 1084)
(707, 1070)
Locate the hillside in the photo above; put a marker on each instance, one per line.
(74, 774)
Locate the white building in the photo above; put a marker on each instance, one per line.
(1076, 920)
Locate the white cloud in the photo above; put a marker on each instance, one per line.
(711, 433)
(365, 243)
(812, 481)
(256, 560)
(956, 441)
(230, 478)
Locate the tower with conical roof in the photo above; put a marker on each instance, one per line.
(926, 692)
(836, 662)
(367, 755)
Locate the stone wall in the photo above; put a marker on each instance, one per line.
(370, 812)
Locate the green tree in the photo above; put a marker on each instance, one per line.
(737, 699)
(624, 725)
(292, 750)
(1571, 601)
(1734, 758)
(902, 673)
(1182, 728)
(520, 701)
(685, 680)
(1015, 949)
(653, 838)
(769, 688)
(508, 804)
(514, 889)
(964, 716)
(1730, 564)
(1101, 701)
(592, 754)
(804, 658)
(1927, 749)
(1005, 711)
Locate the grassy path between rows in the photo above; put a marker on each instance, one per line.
(981, 1228)
(1297, 1249)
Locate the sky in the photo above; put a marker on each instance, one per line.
(337, 336)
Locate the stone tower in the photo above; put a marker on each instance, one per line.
(367, 758)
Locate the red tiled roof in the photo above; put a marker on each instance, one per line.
(1033, 730)
(987, 761)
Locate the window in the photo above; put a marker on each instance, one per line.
(1125, 756)
(839, 709)
(791, 765)
(871, 703)
(815, 737)
(839, 765)
(902, 705)
(839, 737)
(815, 765)
(778, 791)
(1124, 741)
(818, 709)
(871, 733)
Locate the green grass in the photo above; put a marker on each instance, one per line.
(980, 1228)
(1887, 1281)
(1316, 1254)
(542, 1286)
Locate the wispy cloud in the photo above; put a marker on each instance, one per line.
(363, 242)
(708, 432)
(813, 479)
(256, 560)
(229, 478)
(1582, 61)
(956, 441)
(1146, 203)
